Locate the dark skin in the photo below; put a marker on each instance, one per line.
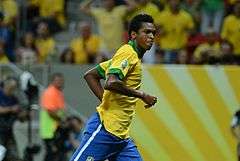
(93, 80)
(144, 39)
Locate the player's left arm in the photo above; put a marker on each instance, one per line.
(93, 78)
(114, 84)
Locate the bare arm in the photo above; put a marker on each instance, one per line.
(116, 85)
(6, 110)
(93, 80)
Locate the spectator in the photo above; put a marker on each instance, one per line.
(193, 7)
(27, 53)
(76, 125)
(212, 12)
(6, 39)
(45, 43)
(67, 56)
(9, 110)
(208, 50)
(10, 10)
(110, 22)
(230, 30)
(86, 47)
(52, 113)
(52, 11)
(145, 6)
(173, 34)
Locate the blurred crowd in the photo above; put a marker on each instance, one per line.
(189, 31)
(59, 131)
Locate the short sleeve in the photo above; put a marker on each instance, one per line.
(102, 67)
(122, 62)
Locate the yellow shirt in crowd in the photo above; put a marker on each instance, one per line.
(10, 9)
(215, 50)
(149, 8)
(45, 47)
(3, 59)
(175, 28)
(231, 32)
(48, 7)
(116, 110)
(110, 26)
(92, 45)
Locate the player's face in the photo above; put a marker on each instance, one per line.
(145, 35)
(59, 82)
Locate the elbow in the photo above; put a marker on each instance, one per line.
(86, 75)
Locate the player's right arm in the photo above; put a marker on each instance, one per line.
(93, 77)
(114, 84)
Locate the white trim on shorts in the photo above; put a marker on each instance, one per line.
(88, 142)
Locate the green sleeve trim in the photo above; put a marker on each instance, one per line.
(101, 71)
(116, 71)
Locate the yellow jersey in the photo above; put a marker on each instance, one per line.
(10, 10)
(102, 67)
(110, 26)
(149, 8)
(116, 110)
(174, 26)
(231, 32)
(46, 47)
(92, 45)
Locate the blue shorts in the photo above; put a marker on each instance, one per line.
(97, 144)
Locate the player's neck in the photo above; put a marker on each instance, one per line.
(140, 51)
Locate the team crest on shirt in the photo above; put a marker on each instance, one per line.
(124, 63)
(89, 158)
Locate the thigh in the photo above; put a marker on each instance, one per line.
(97, 144)
(94, 146)
(128, 153)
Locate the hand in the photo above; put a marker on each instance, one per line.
(149, 100)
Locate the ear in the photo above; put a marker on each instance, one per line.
(133, 35)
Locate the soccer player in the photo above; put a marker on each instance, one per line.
(106, 133)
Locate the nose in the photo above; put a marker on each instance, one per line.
(151, 35)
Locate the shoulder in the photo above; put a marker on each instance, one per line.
(126, 50)
(229, 18)
(97, 11)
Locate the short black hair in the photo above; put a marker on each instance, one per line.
(55, 75)
(136, 22)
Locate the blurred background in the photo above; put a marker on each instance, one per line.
(193, 69)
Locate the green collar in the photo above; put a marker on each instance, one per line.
(134, 46)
